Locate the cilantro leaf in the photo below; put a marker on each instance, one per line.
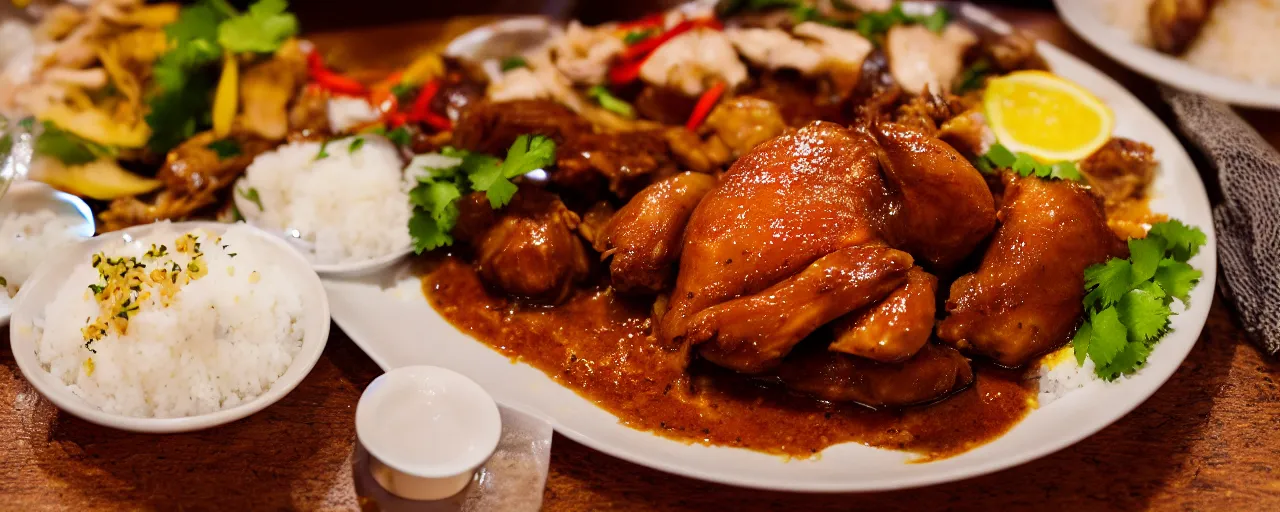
(635, 36)
(1107, 282)
(1126, 361)
(1080, 342)
(1025, 165)
(67, 147)
(1001, 156)
(526, 154)
(225, 148)
(936, 20)
(262, 29)
(426, 233)
(973, 77)
(1177, 279)
(400, 136)
(251, 194)
(355, 145)
(1183, 241)
(1066, 171)
(1145, 253)
(610, 102)
(324, 150)
(404, 93)
(513, 62)
(1144, 312)
(1107, 336)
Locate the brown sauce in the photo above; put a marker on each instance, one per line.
(601, 346)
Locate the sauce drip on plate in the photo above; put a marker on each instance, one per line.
(601, 346)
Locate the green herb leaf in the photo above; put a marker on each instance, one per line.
(68, 147)
(973, 77)
(355, 145)
(1177, 279)
(401, 136)
(1184, 241)
(225, 148)
(1080, 342)
(1107, 337)
(513, 62)
(526, 154)
(936, 20)
(1001, 156)
(265, 27)
(251, 195)
(636, 36)
(404, 92)
(435, 214)
(1127, 361)
(1025, 165)
(1107, 282)
(1066, 171)
(1145, 253)
(610, 102)
(1144, 312)
(324, 150)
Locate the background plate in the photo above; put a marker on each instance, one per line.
(388, 317)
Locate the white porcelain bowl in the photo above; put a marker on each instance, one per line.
(251, 212)
(49, 277)
(32, 196)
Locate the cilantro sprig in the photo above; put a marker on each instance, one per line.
(999, 157)
(434, 198)
(1127, 304)
(67, 147)
(873, 25)
(610, 102)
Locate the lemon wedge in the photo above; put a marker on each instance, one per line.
(1046, 116)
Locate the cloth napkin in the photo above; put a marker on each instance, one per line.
(1248, 219)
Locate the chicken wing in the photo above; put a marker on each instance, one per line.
(644, 237)
(933, 373)
(895, 329)
(1025, 297)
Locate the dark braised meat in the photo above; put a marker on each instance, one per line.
(734, 127)
(1120, 170)
(623, 162)
(1174, 24)
(457, 95)
(934, 372)
(531, 250)
(800, 100)
(666, 106)
(490, 128)
(1011, 52)
(644, 237)
(1025, 297)
(895, 329)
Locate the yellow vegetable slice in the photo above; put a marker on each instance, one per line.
(97, 126)
(1046, 116)
(226, 99)
(102, 179)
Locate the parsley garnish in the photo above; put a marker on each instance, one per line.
(435, 211)
(874, 25)
(225, 148)
(610, 102)
(513, 62)
(355, 145)
(400, 136)
(262, 29)
(324, 153)
(1127, 304)
(999, 157)
(973, 76)
(251, 194)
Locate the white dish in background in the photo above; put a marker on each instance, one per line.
(1084, 18)
(50, 276)
(32, 196)
(390, 319)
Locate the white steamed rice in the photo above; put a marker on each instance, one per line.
(26, 239)
(352, 205)
(223, 340)
(1238, 40)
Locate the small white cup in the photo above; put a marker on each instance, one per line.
(427, 430)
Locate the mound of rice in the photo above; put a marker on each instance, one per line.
(1238, 40)
(25, 240)
(225, 331)
(353, 204)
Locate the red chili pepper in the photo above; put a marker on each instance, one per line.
(330, 80)
(650, 21)
(422, 104)
(396, 119)
(706, 102)
(628, 68)
(438, 122)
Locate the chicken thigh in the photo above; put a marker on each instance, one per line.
(935, 371)
(528, 250)
(1025, 298)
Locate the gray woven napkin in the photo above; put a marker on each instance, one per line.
(1248, 218)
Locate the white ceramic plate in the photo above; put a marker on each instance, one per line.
(394, 324)
(1085, 18)
(49, 277)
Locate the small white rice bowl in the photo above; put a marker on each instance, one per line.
(352, 205)
(26, 239)
(221, 340)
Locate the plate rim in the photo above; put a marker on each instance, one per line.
(1171, 71)
(1197, 317)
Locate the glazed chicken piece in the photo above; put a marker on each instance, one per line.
(734, 127)
(933, 373)
(1174, 24)
(1120, 170)
(621, 162)
(529, 249)
(644, 237)
(491, 127)
(780, 209)
(267, 87)
(896, 328)
(951, 209)
(1025, 297)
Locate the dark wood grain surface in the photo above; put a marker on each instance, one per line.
(1208, 440)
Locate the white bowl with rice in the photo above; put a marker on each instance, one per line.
(170, 327)
(35, 221)
(343, 204)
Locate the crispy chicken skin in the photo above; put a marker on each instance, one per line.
(947, 208)
(532, 251)
(779, 208)
(935, 371)
(896, 328)
(644, 237)
(1025, 297)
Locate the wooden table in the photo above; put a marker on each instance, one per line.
(1208, 440)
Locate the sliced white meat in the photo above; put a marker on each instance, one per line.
(840, 48)
(817, 49)
(692, 61)
(920, 59)
(519, 84)
(583, 54)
